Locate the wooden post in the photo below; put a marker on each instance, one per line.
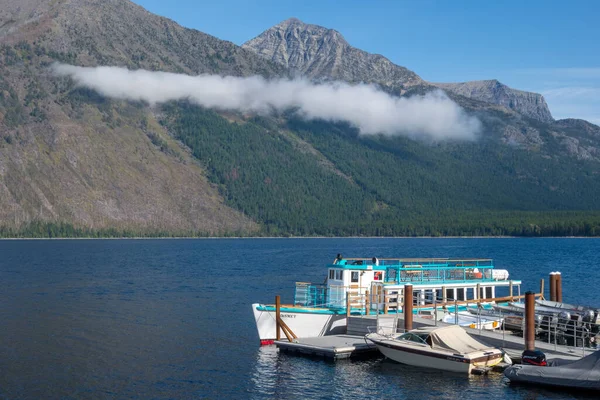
(277, 317)
(552, 286)
(407, 309)
(559, 287)
(367, 311)
(542, 288)
(478, 294)
(386, 302)
(529, 321)
(510, 290)
(444, 296)
(348, 309)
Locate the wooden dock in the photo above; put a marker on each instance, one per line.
(334, 347)
(353, 343)
(507, 340)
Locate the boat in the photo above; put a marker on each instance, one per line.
(467, 319)
(448, 348)
(581, 374)
(587, 313)
(358, 286)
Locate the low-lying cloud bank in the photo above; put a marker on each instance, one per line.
(369, 109)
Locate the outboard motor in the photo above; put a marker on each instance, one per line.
(564, 316)
(533, 357)
(588, 316)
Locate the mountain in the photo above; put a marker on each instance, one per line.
(316, 52)
(320, 53)
(68, 155)
(73, 162)
(529, 104)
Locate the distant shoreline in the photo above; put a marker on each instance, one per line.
(301, 237)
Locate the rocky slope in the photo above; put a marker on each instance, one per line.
(68, 155)
(529, 104)
(320, 53)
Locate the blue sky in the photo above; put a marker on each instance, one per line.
(549, 47)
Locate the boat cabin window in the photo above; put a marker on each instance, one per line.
(488, 292)
(377, 275)
(460, 294)
(336, 274)
(412, 337)
(450, 294)
(354, 277)
(469, 293)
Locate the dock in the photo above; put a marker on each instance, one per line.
(353, 344)
(334, 347)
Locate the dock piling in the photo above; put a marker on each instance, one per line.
(552, 286)
(558, 287)
(530, 321)
(407, 309)
(277, 317)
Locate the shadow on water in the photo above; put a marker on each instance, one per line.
(285, 376)
(534, 392)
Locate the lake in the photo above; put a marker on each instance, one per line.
(172, 318)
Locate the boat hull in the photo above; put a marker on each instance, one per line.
(303, 322)
(465, 319)
(423, 356)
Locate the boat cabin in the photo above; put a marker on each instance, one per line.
(380, 282)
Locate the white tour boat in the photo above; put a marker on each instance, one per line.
(356, 286)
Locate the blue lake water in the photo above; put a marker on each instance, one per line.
(172, 318)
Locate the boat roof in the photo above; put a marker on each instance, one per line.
(451, 337)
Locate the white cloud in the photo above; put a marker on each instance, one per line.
(371, 110)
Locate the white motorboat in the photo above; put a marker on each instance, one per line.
(469, 320)
(581, 374)
(448, 348)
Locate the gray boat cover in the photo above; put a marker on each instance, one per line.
(582, 374)
(453, 338)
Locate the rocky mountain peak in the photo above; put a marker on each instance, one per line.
(320, 53)
(492, 91)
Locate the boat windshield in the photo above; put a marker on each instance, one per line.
(414, 337)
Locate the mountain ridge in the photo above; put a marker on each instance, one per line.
(316, 52)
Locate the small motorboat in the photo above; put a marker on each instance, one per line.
(448, 348)
(581, 374)
(468, 320)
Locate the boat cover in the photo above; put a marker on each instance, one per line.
(582, 374)
(456, 339)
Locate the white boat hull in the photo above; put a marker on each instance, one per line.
(302, 322)
(473, 321)
(425, 361)
(423, 355)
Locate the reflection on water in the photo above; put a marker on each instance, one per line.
(286, 376)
